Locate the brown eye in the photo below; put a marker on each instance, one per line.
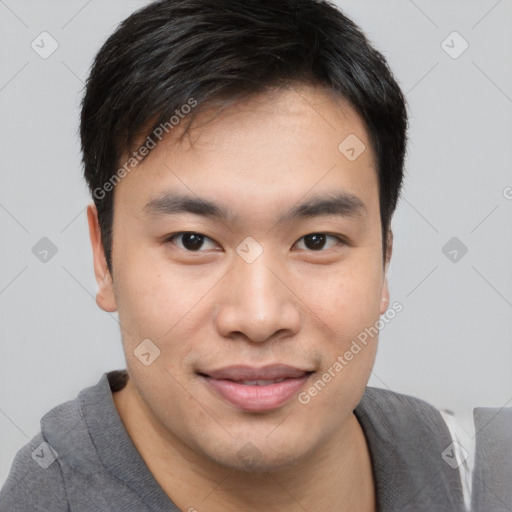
(190, 241)
(318, 241)
(315, 241)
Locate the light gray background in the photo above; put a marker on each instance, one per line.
(451, 343)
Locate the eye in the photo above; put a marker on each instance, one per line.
(318, 241)
(191, 241)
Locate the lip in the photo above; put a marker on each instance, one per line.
(226, 382)
(245, 372)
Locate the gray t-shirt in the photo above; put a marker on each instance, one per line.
(83, 460)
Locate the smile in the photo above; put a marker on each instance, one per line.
(256, 389)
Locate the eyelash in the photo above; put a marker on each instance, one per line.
(340, 240)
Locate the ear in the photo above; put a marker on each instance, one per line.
(384, 303)
(105, 297)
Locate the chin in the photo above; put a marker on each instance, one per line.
(259, 456)
(263, 463)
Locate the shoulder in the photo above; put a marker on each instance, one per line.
(384, 397)
(412, 451)
(390, 410)
(35, 480)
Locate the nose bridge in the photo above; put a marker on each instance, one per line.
(258, 281)
(255, 301)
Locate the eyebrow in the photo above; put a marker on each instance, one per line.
(339, 204)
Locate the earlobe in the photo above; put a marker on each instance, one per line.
(105, 297)
(384, 302)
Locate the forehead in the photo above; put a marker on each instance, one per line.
(283, 144)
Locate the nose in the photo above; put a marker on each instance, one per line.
(256, 302)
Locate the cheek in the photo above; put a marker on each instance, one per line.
(348, 300)
(350, 307)
(150, 300)
(160, 301)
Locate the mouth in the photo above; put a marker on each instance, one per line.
(256, 389)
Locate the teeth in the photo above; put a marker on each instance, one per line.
(260, 382)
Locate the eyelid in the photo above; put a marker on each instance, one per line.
(170, 239)
(340, 240)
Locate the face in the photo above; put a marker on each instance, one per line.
(250, 255)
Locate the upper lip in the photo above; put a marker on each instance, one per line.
(242, 372)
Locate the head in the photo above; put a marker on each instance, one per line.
(245, 160)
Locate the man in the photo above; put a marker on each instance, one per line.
(245, 159)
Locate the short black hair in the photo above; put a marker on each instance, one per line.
(172, 51)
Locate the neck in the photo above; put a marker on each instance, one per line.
(337, 476)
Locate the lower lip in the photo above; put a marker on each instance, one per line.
(257, 398)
